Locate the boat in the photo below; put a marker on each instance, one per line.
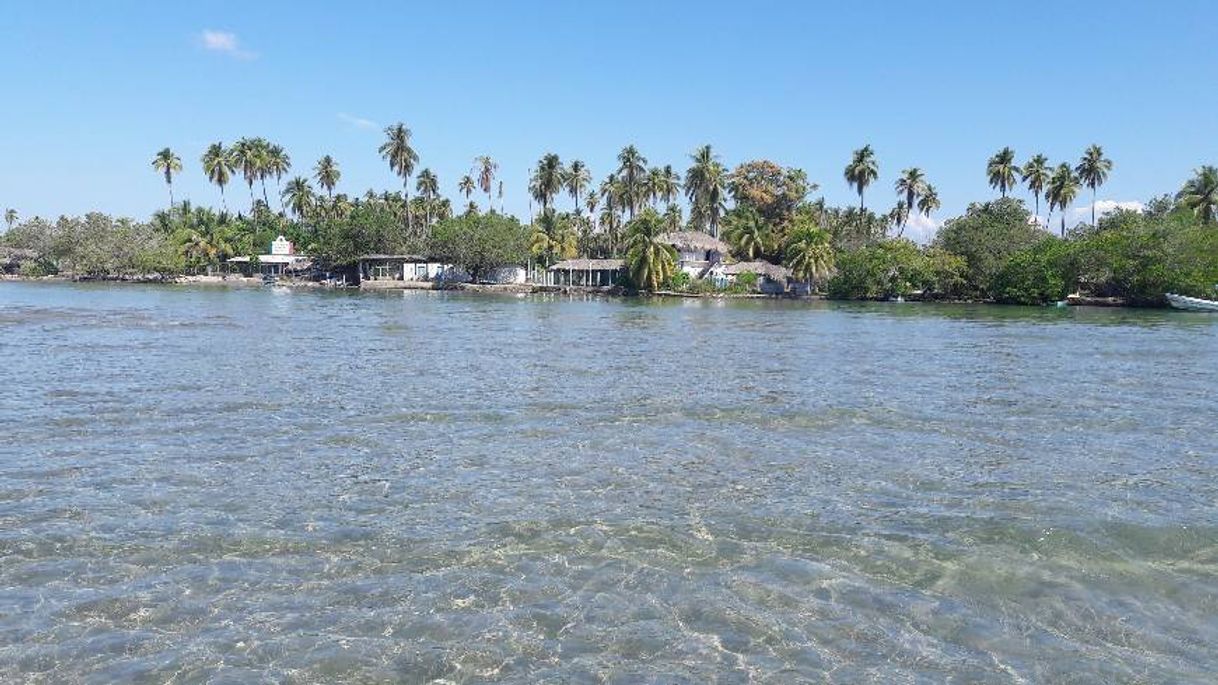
(1192, 304)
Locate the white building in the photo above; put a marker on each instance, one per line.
(282, 259)
(697, 252)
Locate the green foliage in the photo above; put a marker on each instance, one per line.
(748, 233)
(649, 261)
(769, 189)
(480, 242)
(679, 280)
(35, 268)
(747, 280)
(369, 228)
(888, 269)
(987, 236)
(1139, 257)
(1036, 275)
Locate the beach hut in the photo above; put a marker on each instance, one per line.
(772, 279)
(697, 252)
(596, 273)
(281, 260)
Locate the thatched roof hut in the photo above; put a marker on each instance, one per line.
(694, 241)
(774, 272)
(589, 265)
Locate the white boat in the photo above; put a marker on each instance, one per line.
(1192, 304)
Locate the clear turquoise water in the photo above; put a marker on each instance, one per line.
(257, 485)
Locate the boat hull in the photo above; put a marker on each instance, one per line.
(1192, 304)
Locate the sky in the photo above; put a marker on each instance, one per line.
(92, 90)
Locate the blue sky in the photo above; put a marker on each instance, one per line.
(92, 90)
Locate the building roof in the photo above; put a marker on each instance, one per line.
(773, 272)
(403, 257)
(271, 259)
(693, 240)
(589, 265)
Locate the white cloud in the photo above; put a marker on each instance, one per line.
(358, 122)
(225, 42)
(1102, 207)
(920, 228)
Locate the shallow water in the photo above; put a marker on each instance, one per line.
(261, 485)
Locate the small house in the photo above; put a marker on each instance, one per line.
(697, 252)
(281, 260)
(386, 268)
(772, 279)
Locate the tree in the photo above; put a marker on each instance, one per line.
(705, 187)
(299, 197)
(771, 190)
(466, 186)
(429, 189)
(986, 236)
(673, 221)
(862, 171)
(547, 180)
(1001, 170)
(632, 173)
(1063, 188)
(10, 217)
(748, 233)
(218, 167)
(809, 254)
(486, 168)
(911, 184)
(650, 261)
(1092, 171)
(245, 156)
(929, 202)
(552, 238)
(578, 177)
(278, 163)
(477, 243)
(397, 151)
(1035, 175)
(327, 174)
(1200, 193)
(168, 164)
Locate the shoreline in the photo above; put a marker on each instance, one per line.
(531, 289)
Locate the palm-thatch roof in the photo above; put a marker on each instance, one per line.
(774, 272)
(589, 265)
(402, 257)
(691, 241)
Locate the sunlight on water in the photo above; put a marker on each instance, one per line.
(250, 486)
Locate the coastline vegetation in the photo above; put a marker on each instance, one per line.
(996, 251)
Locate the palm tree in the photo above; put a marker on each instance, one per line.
(705, 187)
(632, 171)
(861, 171)
(663, 184)
(401, 157)
(466, 186)
(649, 260)
(1001, 169)
(429, 189)
(578, 177)
(911, 184)
(547, 180)
(500, 198)
(218, 167)
(278, 163)
(1092, 171)
(898, 215)
(244, 156)
(1199, 194)
(10, 217)
(672, 217)
(168, 164)
(552, 238)
(299, 197)
(1036, 175)
(809, 255)
(327, 174)
(1063, 188)
(486, 168)
(747, 233)
(261, 154)
(929, 201)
